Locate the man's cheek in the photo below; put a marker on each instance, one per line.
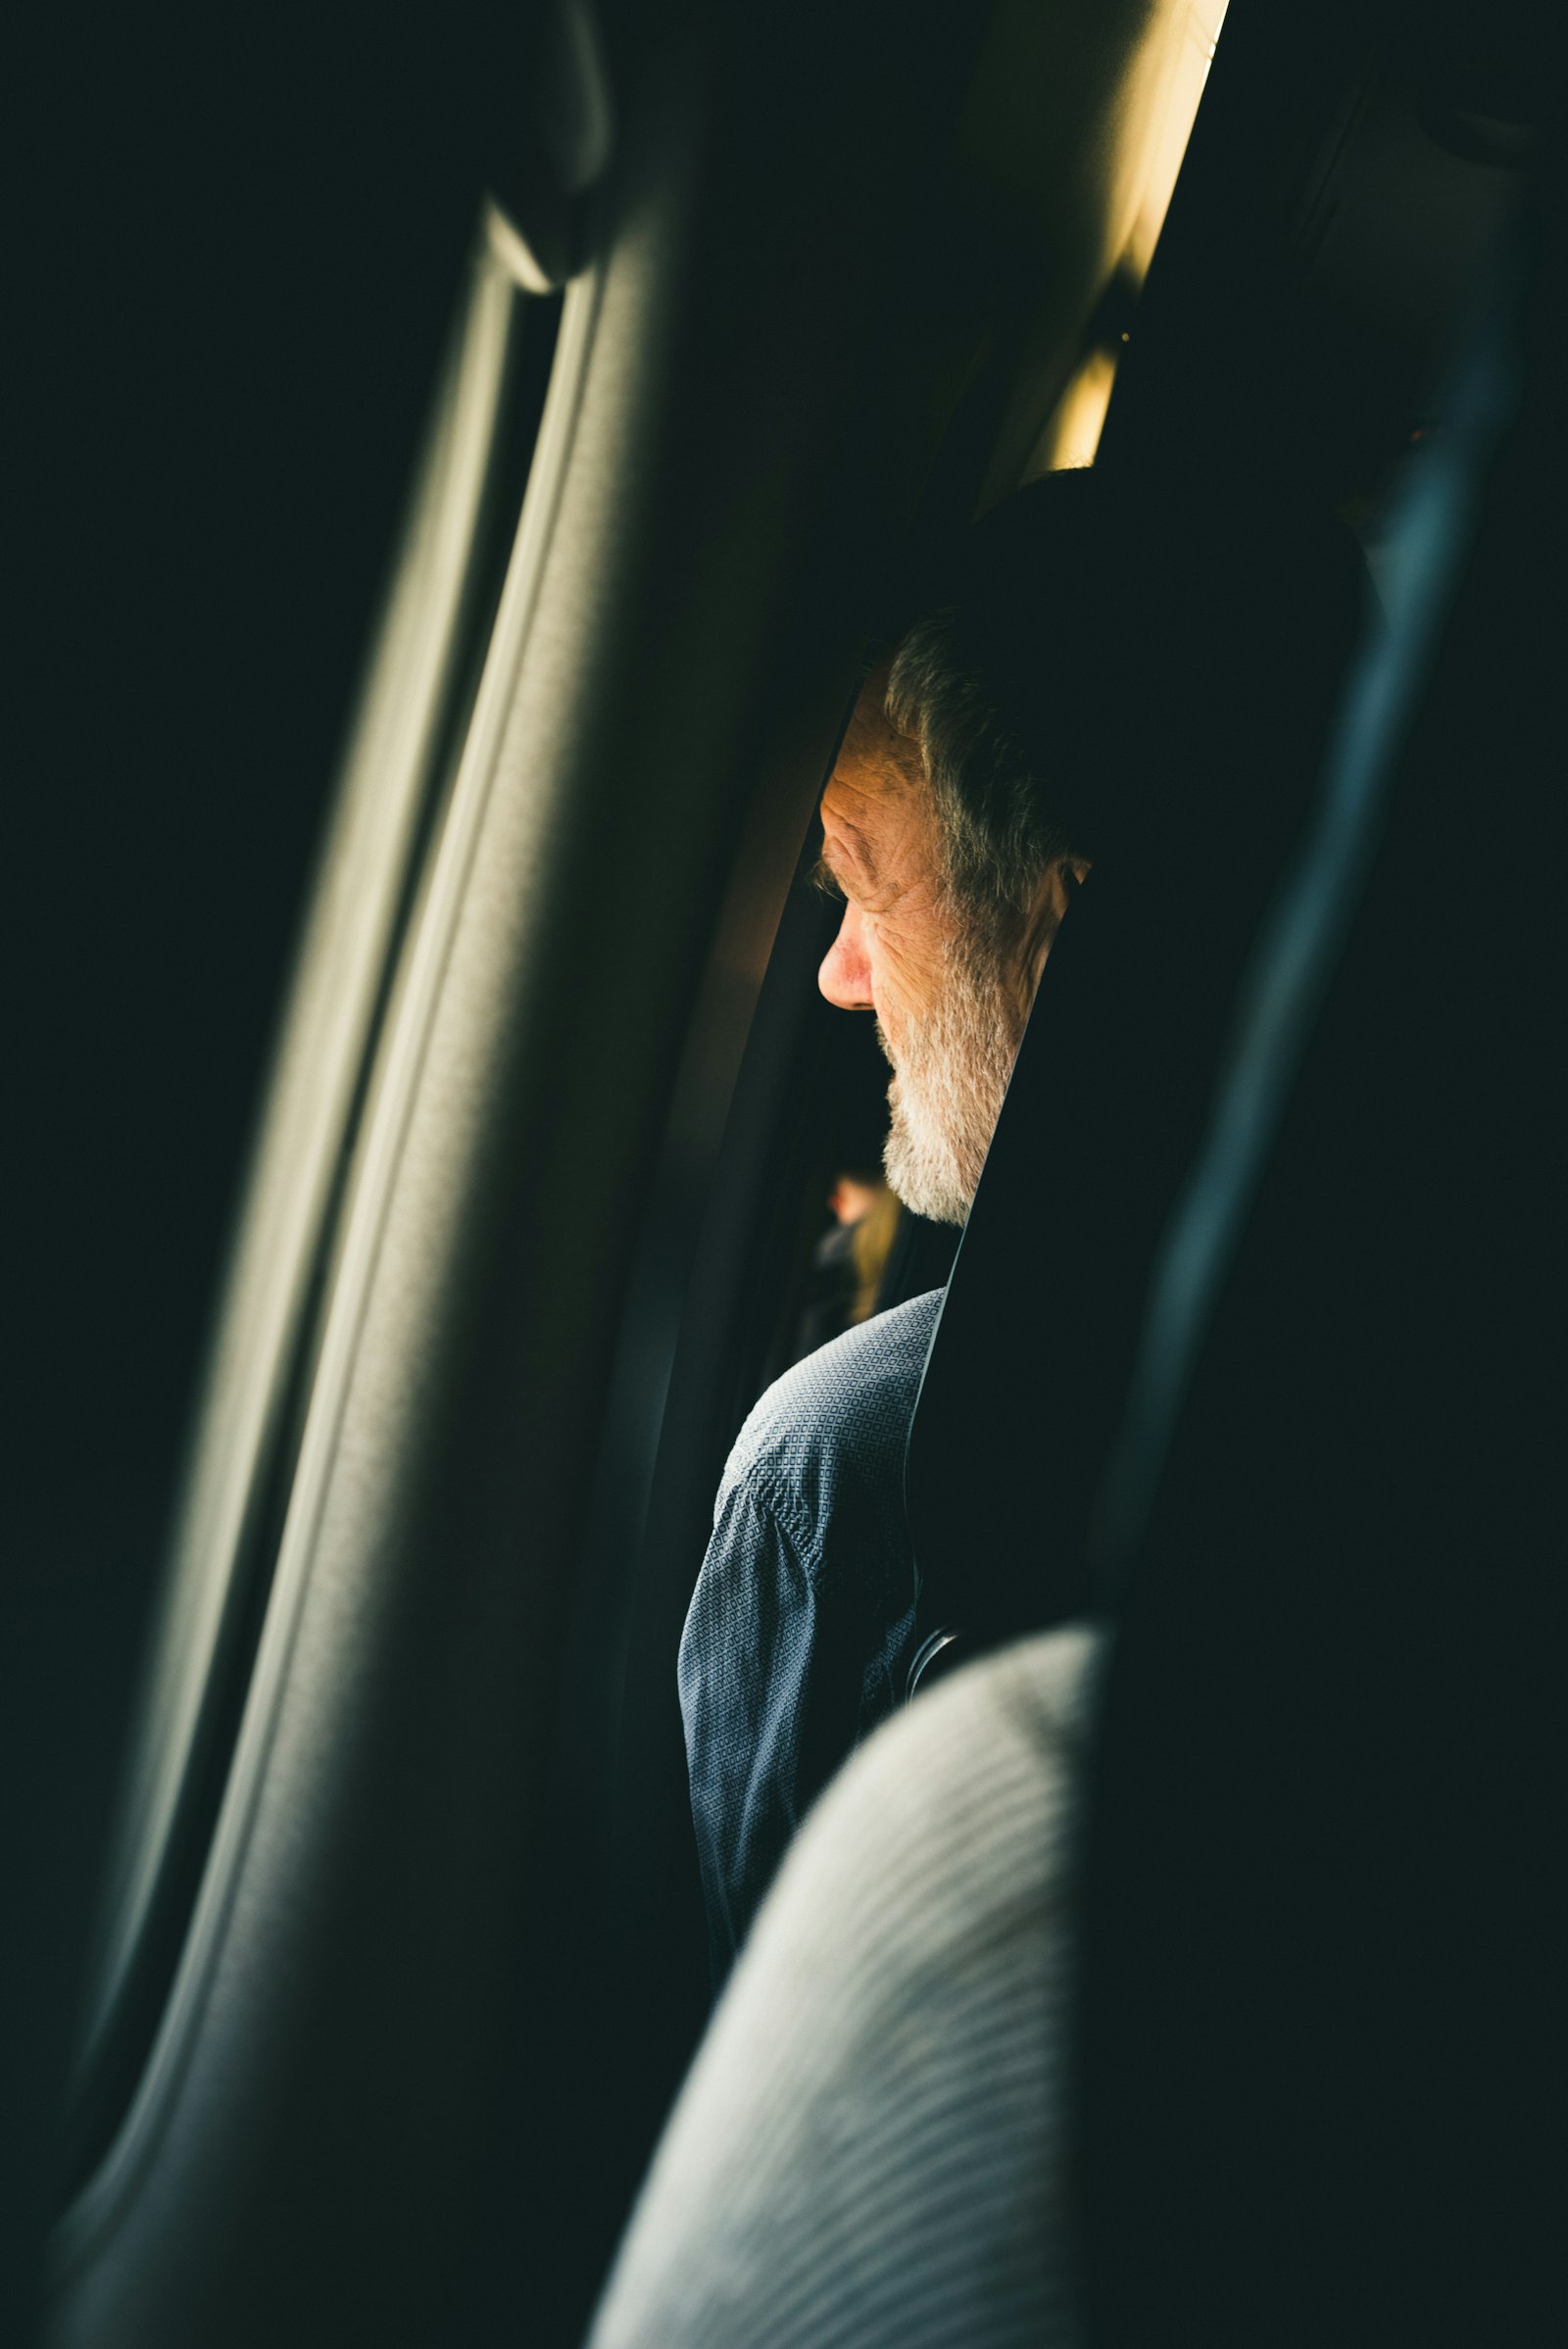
(906, 986)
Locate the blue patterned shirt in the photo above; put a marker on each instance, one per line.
(797, 1640)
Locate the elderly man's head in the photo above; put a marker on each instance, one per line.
(949, 971)
(955, 854)
(1132, 673)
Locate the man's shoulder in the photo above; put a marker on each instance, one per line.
(846, 1407)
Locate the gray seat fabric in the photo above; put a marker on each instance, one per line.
(870, 2148)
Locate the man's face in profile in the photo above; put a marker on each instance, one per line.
(947, 989)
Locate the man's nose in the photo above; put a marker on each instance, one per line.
(844, 977)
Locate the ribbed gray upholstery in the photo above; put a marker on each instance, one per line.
(871, 2147)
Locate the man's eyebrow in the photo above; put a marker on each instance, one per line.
(859, 857)
(822, 876)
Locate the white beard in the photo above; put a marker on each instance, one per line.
(951, 1068)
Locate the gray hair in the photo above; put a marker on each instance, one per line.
(997, 832)
(1093, 665)
(1000, 680)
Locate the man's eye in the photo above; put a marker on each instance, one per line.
(824, 878)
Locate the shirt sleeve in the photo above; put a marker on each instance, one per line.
(770, 1676)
